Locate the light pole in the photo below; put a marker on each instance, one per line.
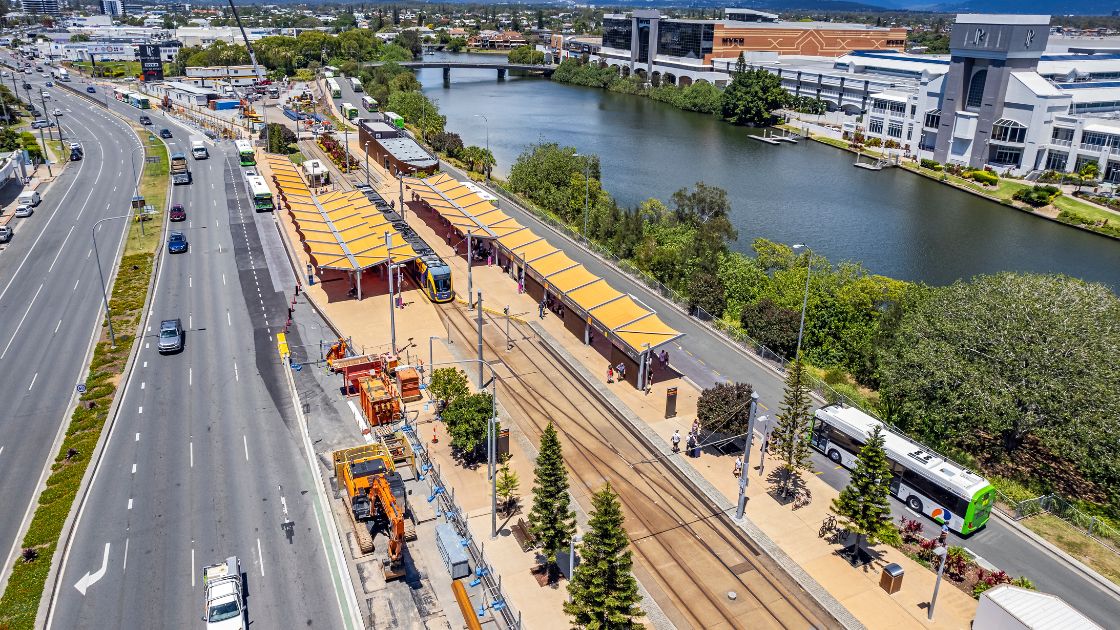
(346, 141)
(104, 289)
(805, 300)
(742, 504)
(940, 551)
(487, 121)
(367, 163)
(392, 307)
(400, 180)
(586, 189)
(572, 560)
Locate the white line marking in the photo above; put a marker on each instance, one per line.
(228, 320)
(141, 407)
(58, 325)
(192, 567)
(190, 376)
(190, 320)
(145, 364)
(134, 469)
(236, 377)
(137, 436)
(245, 441)
(223, 279)
(190, 282)
(60, 248)
(142, 385)
(21, 320)
(33, 381)
(90, 253)
(192, 454)
(261, 556)
(124, 566)
(76, 283)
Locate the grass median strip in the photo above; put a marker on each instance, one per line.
(20, 602)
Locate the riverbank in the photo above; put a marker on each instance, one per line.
(1066, 209)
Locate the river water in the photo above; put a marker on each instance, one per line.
(896, 223)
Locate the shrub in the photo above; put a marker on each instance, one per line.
(931, 164)
(874, 142)
(891, 536)
(982, 177)
(1037, 196)
(910, 529)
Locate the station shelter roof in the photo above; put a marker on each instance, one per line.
(628, 320)
(342, 230)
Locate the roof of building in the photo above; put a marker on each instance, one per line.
(1041, 611)
(406, 150)
(1001, 18)
(1035, 83)
(189, 88)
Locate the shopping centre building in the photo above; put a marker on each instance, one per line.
(999, 99)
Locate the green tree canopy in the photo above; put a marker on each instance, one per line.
(526, 55)
(752, 96)
(551, 519)
(417, 110)
(466, 418)
(725, 408)
(448, 384)
(1007, 359)
(788, 441)
(604, 591)
(864, 504)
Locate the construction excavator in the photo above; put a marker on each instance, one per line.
(373, 490)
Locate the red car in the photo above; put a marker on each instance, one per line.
(178, 213)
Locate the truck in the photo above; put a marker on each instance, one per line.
(198, 150)
(223, 597)
(180, 171)
(63, 75)
(1008, 607)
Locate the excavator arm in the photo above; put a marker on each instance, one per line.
(381, 490)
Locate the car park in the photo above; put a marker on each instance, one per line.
(6, 233)
(23, 212)
(144, 120)
(170, 336)
(178, 212)
(91, 90)
(177, 243)
(165, 133)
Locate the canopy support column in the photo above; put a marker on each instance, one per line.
(359, 285)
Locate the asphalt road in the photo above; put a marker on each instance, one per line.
(50, 299)
(204, 463)
(705, 358)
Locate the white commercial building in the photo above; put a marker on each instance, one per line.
(213, 76)
(206, 35)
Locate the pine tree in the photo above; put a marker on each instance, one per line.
(551, 520)
(603, 589)
(507, 485)
(863, 506)
(789, 438)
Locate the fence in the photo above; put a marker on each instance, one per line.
(1094, 527)
(494, 598)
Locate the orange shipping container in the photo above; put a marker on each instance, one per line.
(379, 400)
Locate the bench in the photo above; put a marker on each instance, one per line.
(522, 535)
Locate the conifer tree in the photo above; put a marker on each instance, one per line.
(551, 520)
(507, 485)
(603, 589)
(789, 438)
(863, 506)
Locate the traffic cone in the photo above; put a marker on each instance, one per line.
(435, 437)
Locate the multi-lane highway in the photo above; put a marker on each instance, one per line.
(203, 461)
(50, 299)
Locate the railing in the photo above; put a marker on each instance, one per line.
(495, 600)
(1108, 537)
(1061, 143)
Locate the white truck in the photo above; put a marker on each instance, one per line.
(63, 75)
(1007, 607)
(224, 600)
(198, 150)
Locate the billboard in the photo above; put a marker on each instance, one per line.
(151, 66)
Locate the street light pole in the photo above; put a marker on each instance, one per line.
(805, 300)
(367, 163)
(742, 504)
(392, 307)
(101, 274)
(940, 551)
(572, 560)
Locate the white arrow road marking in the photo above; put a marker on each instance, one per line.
(89, 579)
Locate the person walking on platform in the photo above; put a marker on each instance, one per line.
(676, 440)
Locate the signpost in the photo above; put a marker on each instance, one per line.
(151, 65)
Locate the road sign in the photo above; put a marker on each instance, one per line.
(81, 388)
(296, 366)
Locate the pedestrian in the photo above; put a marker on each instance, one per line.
(676, 440)
(691, 445)
(696, 445)
(610, 373)
(489, 260)
(520, 286)
(696, 426)
(738, 466)
(649, 382)
(621, 369)
(541, 308)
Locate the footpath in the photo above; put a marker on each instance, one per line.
(794, 531)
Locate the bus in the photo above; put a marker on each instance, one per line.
(356, 84)
(369, 103)
(336, 92)
(245, 151)
(139, 101)
(120, 94)
(348, 111)
(925, 481)
(258, 190)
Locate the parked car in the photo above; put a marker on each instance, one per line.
(91, 90)
(170, 336)
(177, 243)
(5, 233)
(42, 123)
(144, 120)
(165, 133)
(24, 211)
(178, 212)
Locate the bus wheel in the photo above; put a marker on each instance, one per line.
(834, 455)
(915, 504)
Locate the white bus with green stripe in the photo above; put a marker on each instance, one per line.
(925, 481)
(258, 190)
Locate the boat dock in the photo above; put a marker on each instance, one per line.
(766, 139)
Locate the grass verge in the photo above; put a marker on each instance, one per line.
(20, 602)
(1077, 544)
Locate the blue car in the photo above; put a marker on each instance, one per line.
(177, 243)
(91, 90)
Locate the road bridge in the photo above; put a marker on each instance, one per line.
(501, 68)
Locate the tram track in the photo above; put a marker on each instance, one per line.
(688, 553)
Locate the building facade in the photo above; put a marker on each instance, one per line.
(112, 8)
(41, 7)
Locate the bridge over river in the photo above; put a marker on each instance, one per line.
(501, 68)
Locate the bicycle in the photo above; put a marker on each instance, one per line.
(828, 527)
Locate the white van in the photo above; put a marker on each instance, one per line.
(29, 198)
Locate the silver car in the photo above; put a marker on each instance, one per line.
(24, 211)
(170, 336)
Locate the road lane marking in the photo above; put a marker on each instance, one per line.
(192, 567)
(245, 441)
(124, 566)
(260, 555)
(190, 282)
(90, 253)
(145, 364)
(190, 376)
(15, 333)
(137, 436)
(76, 284)
(228, 320)
(130, 504)
(60, 248)
(134, 469)
(142, 387)
(57, 326)
(223, 279)
(141, 408)
(89, 579)
(192, 454)
(236, 377)
(33, 381)
(190, 321)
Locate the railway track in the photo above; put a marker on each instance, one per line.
(688, 554)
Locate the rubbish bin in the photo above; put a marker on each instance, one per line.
(891, 580)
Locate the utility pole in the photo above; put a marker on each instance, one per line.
(392, 306)
(470, 279)
(480, 362)
(742, 505)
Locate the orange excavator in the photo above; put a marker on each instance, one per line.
(374, 491)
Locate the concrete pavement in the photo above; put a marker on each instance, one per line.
(204, 460)
(50, 302)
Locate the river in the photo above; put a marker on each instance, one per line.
(896, 223)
